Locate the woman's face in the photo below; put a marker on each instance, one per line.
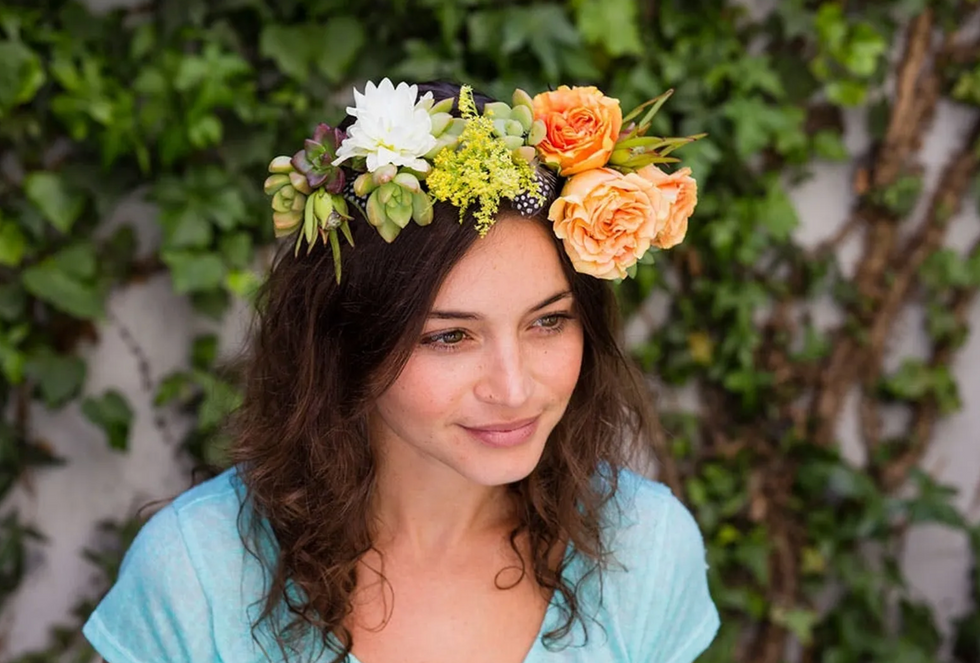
(494, 369)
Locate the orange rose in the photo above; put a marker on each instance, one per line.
(582, 127)
(681, 191)
(608, 220)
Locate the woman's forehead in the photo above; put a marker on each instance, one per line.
(516, 264)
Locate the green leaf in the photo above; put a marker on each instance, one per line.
(112, 413)
(194, 272)
(175, 387)
(287, 46)
(58, 203)
(13, 299)
(12, 358)
(777, 212)
(220, 400)
(13, 244)
(204, 351)
(21, 75)
(236, 249)
(59, 377)
(797, 620)
(345, 37)
(66, 281)
(611, 23)
(331, 48)
(829, 144)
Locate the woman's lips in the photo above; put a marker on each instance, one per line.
(504, 435)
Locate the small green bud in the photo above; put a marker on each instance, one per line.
(322, 206)
(620, 156)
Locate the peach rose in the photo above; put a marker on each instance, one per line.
(608, 220)
(681, 191)
(582, 127)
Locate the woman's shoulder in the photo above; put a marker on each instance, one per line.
(644, 507)
(655, 586)
(185, 583)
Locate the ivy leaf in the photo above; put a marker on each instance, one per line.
(798, 621)
(12, 358)
(236, 249)
(287, 47)
(346, 38)
(175, 387)
(49, 193)
(220, 400)
(66, 280)
(112, 413)
(12, 301)
(13, 244)
(194, 272)
(611, 23)
(59, 377)
(777, 212)
(21, 75)
(204, 351)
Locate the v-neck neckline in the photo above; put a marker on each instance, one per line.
(550, 615)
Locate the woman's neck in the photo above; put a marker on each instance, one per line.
(429, 510)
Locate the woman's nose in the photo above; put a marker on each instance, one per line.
(506, 379)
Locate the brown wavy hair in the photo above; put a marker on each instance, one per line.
(321, 353)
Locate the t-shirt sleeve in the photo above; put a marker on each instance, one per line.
(157, 610)
(676, 619)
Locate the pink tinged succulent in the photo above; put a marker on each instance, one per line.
(315, 160)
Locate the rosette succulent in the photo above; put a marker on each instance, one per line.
(315, 160)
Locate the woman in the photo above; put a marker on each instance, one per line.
(430, 458)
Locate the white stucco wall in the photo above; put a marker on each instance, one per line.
(98, 483)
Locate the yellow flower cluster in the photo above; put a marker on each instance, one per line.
(480, 169)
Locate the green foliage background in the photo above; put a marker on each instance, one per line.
(185, 101)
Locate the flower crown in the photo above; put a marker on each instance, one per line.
(403, 152)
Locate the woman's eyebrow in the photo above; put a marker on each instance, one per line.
(466, 315)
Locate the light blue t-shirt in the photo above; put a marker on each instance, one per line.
(187, 583)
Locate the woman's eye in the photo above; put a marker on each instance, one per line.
(446, 338)
(553, 322)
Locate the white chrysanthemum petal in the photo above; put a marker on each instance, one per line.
(391, 127)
